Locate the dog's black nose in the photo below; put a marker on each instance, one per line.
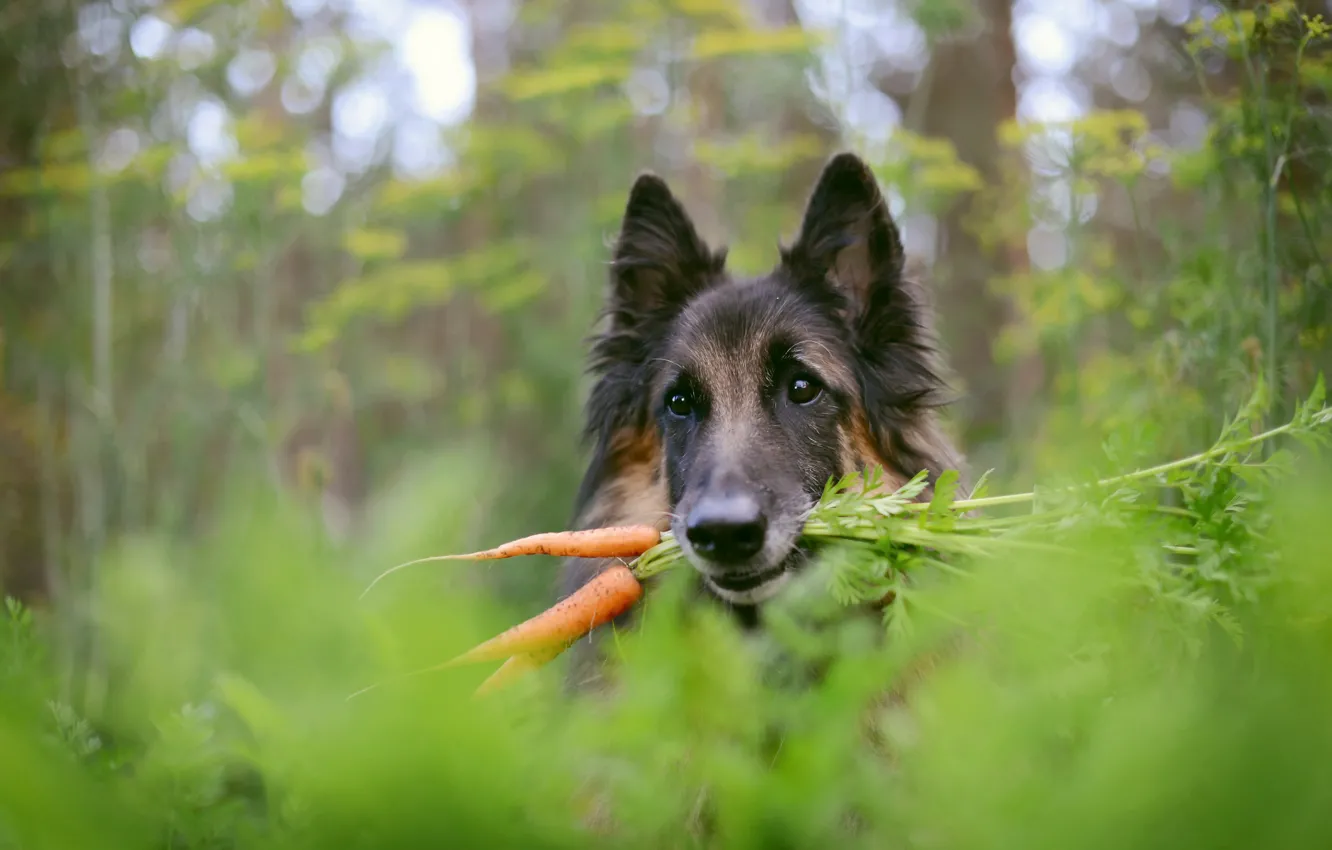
(728, 529)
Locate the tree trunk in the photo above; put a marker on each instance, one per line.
(971, 92)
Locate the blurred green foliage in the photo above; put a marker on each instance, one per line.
(1220, 277)
(233, 389)
(1048, 699)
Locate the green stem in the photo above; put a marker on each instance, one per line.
(665, 554)
(1271, 282)
(1191, 460)
(1181, 550)
(940, 541)
(1000, 523)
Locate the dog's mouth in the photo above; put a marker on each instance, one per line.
(754, 582)
(747, 581)
(751, 586)
(748, 589)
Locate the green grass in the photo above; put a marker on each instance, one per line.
(1091, 687)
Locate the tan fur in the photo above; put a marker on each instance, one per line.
(636, 494)
(864, 450)
(860, 453)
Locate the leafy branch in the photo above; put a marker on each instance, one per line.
(867, 536)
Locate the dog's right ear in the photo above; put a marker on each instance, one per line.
(658, 263)
(849, 242)
(659, 259)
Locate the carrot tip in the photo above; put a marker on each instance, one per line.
(487, 651)
(628, 541)
(605, 597)
(515, 667)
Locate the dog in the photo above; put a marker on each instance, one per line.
(722, 406)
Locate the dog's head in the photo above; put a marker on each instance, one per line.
(755, 392)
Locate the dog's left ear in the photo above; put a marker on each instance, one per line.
(848, 240)
(849, 253)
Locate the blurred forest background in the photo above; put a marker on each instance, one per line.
(333, 242)
(351, 250)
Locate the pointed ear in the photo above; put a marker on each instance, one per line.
(849, 254)
(847, 239)
(659, 260)
(659, 263)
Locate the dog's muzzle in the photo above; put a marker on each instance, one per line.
(727, 537)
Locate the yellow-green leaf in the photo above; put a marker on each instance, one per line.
(375, 244)
(607, 38)
(415, 197)
(267, 167)
(557, 81)
(729, 11)
(716, 43)
(514, 291)
(184, 12)
(757, 153)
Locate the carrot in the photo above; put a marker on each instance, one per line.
(601, 600)
(513, 668)
(517, 666)
(624, 541)
(534, 642)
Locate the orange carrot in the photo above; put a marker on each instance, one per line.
(605, 597)
(625, 541)
(517, 666)
(535, 642)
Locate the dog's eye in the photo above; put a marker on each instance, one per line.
(803, 390)
(679, 404)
